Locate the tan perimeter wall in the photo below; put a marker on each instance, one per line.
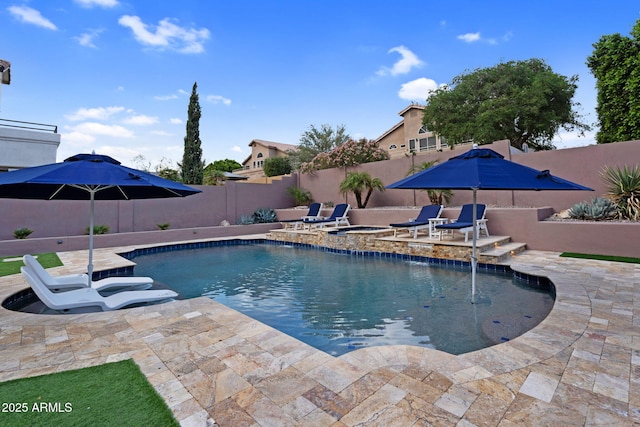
(209, 208)
(582, 165)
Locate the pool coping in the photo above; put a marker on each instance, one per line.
(139, 330)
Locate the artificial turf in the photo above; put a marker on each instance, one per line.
(113, 394)
(13, 267)
(601, 257)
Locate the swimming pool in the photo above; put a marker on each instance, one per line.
(338, 303)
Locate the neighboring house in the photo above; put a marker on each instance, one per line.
(25, 144)
(260, 151)
(409, 135)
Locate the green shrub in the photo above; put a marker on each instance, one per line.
(597, 209)
(164, 226)
(300, 195)
(262, 215)
(624, 190)
(22, 233)
(275, 166)
(98, 229)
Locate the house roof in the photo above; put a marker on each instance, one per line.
(270, 144)
(400, 123)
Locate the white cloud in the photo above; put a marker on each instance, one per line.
(86, 39)
(217, 99)
(406, 63)
(76, 138)
(175, 121)
(167, 35)
(100, 113)
(93, 128)
(469, 37)
(165, 97)
(161, 133)
(100, 3)
(417, 90)
(236, 149)
(31, 16)
(140, 119)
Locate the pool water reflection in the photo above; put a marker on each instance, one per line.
(338, 303)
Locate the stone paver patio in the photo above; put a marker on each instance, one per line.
(580, 366)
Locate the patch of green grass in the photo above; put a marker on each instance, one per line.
(602, 257)
(114, 394)
(13, 267)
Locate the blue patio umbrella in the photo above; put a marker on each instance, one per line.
(88, 177)
(483, 169)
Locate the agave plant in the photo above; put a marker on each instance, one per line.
(262, 215)
(624, 190)
(597, 209)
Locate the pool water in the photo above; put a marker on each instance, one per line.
(339, 303)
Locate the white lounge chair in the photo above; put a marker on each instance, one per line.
(88, 297)
(424, 220)
(464, 223)
(338, 217)
(315, 209)
(77, 281)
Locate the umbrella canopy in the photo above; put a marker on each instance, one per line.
(88, 177)
(483, 169)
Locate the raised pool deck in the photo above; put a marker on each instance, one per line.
(580, 366)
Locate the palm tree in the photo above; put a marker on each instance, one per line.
(359, 182)
(435, 196)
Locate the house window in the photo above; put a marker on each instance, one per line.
(423, 144)
(393, 147)
(423, 130)
(412, 145)
(259, 155)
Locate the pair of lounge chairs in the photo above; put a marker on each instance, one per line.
(429, 217)
(425, 219)
(313, 214)
(338, 217)
(73, 291)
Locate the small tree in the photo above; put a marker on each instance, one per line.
(317, 140)
(226, 165)
(522, 101)
(615, 63)
(436, 196)
(358, 183)
(351, 153)
(275, 166)
(192, 165)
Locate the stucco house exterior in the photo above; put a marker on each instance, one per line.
(260, 151)
(409, 135)
(25, 144)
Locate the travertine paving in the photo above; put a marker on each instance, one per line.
(580, 366)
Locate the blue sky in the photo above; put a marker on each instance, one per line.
(115, 76)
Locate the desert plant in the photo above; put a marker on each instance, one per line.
(262, 215)
(359, 183)
(164, 226)
(300, 195)
(245, 220)
(98, 229)
(597, 209)
(22, 233)
(329, 204)
(624, 190)
(436, 196)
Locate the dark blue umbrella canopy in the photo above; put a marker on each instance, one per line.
(88, 177)
(82, 174)
(484, 169)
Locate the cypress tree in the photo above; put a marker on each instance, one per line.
(192, 165)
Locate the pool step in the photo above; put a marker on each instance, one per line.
(501, 253)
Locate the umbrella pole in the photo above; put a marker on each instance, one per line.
(474, 260)
(90, 266)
